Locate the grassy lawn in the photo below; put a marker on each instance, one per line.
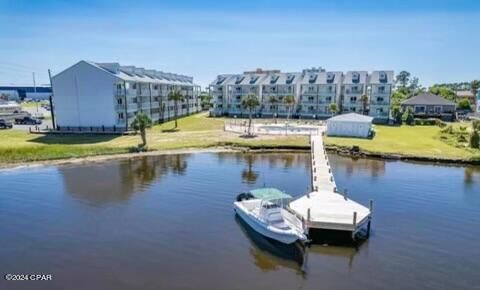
(421, 141)
(199, 131)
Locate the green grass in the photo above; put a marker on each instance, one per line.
(200, 131)
(422, 141)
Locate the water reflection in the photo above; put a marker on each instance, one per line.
(376, 167)
(471, 175)
(117, 181)
(270, 255)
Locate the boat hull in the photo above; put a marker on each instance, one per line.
(262, 228)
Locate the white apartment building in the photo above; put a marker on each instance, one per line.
(380, 91)
(319, 89)
(314, 90)
(90, 94)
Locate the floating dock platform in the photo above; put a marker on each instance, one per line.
(325, 207)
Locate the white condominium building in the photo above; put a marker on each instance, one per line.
(319, 90)
(95, 95)
(314, 91)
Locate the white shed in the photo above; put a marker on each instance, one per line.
(349, 125)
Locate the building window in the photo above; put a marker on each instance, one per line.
(120, 115)
(380, 100)
(134, 86)
(119, 86)
(155, 87)
(353, 99)
(353, 109)
(381, 89)
(119, 101)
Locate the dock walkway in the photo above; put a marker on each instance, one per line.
(325, 207)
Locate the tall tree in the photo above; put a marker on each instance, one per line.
(475, 86)
(397, 115)
(403, 78)
(364, 100)
(444, 92)
(250, 103)
(205, 100)
(289, 102)
(176, 96)
(141, 123)
(273, 100)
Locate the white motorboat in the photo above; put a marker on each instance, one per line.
(263, 210)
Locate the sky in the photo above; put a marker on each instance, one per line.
(436, 40)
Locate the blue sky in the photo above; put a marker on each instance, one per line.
(438, 41)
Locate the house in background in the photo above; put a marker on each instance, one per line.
(93, 95)
(427, 105)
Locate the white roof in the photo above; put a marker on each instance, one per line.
(351, 117)
(137, 74)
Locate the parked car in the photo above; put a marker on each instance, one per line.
(28, 121)
(4, 124)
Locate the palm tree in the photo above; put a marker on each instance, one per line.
(333, 108)
(140, 123)
(176, 96)
(250, 102)
(273, 100)
(289, 102)
(364, 100)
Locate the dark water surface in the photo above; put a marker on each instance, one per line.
(167, 223)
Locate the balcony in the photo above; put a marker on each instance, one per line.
(376, 103)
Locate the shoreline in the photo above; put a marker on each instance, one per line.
(343, 151)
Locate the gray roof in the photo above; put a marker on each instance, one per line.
(322, 77)
(348, 80)
(281, 78)
(351, 117)
(427, 99)
(137, 74)
(381, 77)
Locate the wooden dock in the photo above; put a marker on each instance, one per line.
(325, 207)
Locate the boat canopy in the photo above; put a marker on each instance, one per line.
(269, 194)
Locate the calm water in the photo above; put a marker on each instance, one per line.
(167, 223)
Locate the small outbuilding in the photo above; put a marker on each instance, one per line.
(350, 125)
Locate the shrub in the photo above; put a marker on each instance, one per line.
(461, 139)
(440, 123)
(430, 122)
(476, 125)
(463, 128)
(474, 139)
(409, 117)
(464, 104)
(448, 130)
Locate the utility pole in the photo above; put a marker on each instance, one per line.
(51, 101)
(34, 83)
